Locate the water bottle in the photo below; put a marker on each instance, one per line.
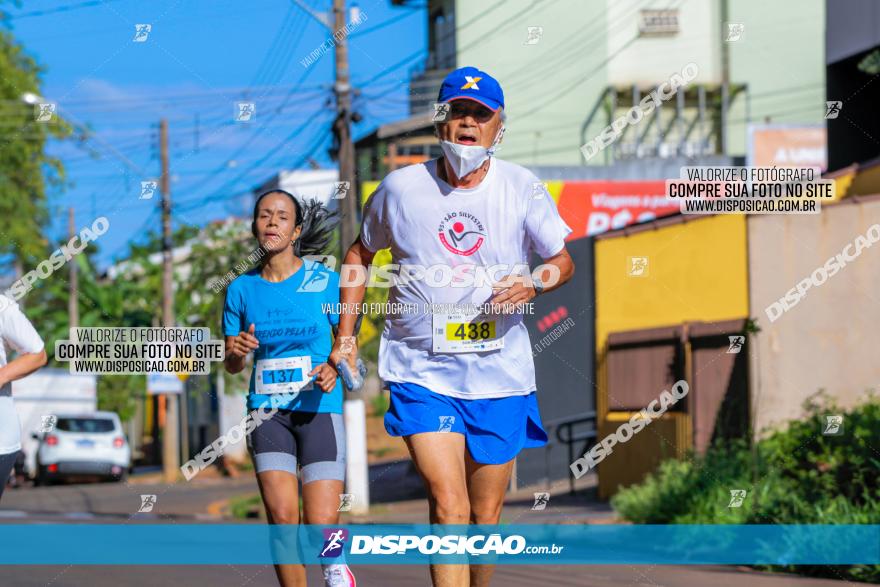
(353, 381)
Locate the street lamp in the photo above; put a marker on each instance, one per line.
(31, 98)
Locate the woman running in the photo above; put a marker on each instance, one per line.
(17, 332)
(278, 311)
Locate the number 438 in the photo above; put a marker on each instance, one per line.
(473, 331)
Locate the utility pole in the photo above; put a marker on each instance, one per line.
(342, 130)
(170, 436)
(725, 78)
(72, 299)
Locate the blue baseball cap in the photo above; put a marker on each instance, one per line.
(472, 84)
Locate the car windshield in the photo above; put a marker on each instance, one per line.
(85, 425)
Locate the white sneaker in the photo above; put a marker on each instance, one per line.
(338, 576)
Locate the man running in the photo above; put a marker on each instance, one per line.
(17, 332)
(462, 381)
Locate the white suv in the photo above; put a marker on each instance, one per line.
(83, 445)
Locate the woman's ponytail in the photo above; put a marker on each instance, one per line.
(318, 224)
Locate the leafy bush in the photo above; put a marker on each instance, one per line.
(794, 476)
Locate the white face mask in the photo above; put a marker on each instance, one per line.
(464, 159)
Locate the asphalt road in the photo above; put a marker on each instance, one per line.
(401, 576)
(191, 502)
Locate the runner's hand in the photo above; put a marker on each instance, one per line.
(325, 377)
(344, 348)
(244, 343)
(512, 289)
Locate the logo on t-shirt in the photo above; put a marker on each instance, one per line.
(461, 233)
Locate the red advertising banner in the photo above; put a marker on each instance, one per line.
(593, 207)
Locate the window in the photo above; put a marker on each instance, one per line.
(85, 425)
(658, 22)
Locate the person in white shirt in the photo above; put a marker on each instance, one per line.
(461, 374)
(16, 332)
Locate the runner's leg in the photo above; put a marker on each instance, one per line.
(321, 502)
(486, 486)
(7, 462)
(439, 459)
(321, 441)
(273, 449)
(281, 498)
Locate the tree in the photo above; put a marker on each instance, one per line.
(25, 168)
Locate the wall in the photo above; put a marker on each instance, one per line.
(781, 56)
(830, 339)
(696, 272)
(650, 60)
(550, 86)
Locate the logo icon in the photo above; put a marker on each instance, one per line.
(315, 279)
(141, 32)
(334, 543)
(345, 500)
(446, 423)
(45, 112)
(638, 267)
(541, 501)
(736, 344)
(832, 109)
(538, 190)
(147, 503)
(471, 83)
(534, 35)
(441, 112)
(47, 423)
(340, 190)
(461, 233)
(833, 426)
(148, 189)
(245, 111)
(328, 261)
(735, 31)
(736, 498)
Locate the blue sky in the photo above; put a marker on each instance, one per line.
(199, 59)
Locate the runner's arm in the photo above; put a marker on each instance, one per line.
(233, 363)
(359, 258)
(351, 296)
(20, 334)
(562, 260)
(513, 289)
(237, 348)
(22, 365)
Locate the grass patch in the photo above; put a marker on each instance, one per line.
(246, 506)
(794, 476)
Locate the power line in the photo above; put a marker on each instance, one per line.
(254, 135)
(595, 70)
(382, 25)
(68, 8)
(272, 152)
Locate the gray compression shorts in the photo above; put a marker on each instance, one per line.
(314, 442)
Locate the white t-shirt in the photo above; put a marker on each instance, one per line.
(17, 332)
(425, 222)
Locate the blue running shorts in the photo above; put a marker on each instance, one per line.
(495, 429)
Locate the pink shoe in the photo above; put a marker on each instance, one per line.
(338, 575)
